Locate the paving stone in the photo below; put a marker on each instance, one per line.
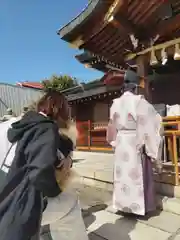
(168, 190)
(104, 175)
(113, 227)
(93, 193)
(92, 164)
(103, 185)
(99, 191)
(91, 197)
(85, 171)
(93, 236)
(90, 182)
(85, 155)
(165, 221)
(158, 219)
(177, 237)
(172, 205)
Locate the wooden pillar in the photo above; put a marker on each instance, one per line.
(142, 71)
(89, 134)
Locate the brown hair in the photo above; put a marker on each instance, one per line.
(55, 105)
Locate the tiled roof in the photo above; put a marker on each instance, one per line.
(35, 85)
(113, 78)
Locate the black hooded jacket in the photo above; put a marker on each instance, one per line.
(31, 176)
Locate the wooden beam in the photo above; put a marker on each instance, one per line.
(125, 23)
(120, 23)
(142, 66)
(166, 26)
(155, 48)
(142, 71)
(119, 20)
(115, 7)
(116, 13)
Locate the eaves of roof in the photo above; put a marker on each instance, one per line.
(91, 92)
(69, 29)
(142, 24)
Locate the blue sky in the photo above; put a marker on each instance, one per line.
(30, 49)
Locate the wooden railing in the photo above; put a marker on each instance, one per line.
(92, 136)
(172, 140)
(83, 133)
(99, 126)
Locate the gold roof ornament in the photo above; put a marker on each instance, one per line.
(177, 52)
(111, 18)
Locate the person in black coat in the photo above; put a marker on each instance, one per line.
(32, 175)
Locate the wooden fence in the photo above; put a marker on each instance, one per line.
(92, 137)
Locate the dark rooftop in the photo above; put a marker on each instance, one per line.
(114, 28)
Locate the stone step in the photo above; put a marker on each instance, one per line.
(99, 167)
(95, 170)
(103, 182)
(169, 204)
(104, 179)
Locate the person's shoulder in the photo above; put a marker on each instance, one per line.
(48, 124)
(45, 133)
(116, 100)
(49, 128)
(142, 99)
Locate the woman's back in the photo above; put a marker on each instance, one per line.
(124, 111)
(31, 176)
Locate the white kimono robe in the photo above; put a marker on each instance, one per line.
(134, 123)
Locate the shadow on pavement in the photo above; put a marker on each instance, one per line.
(149, 215)
(93, 236)
(138, 217)
(78, 160)
(88, 216)
(121, 229)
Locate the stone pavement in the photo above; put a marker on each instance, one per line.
(94, 165)
(96, 170)
(109, 226)
(99, 166)
(104, 225)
